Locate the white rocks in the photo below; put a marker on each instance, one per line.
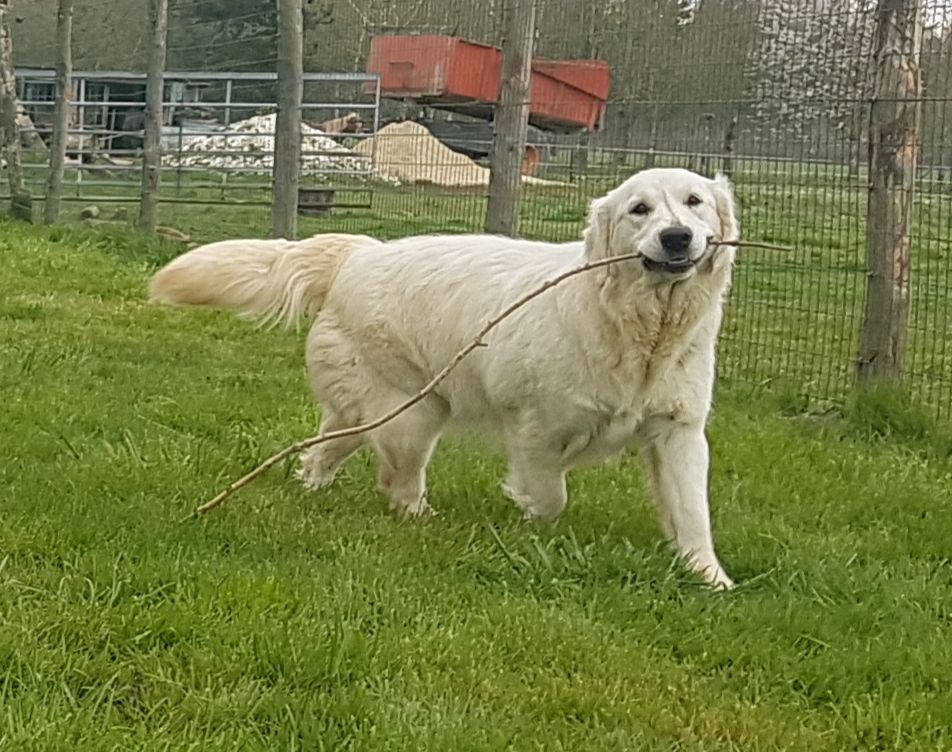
(248, 146)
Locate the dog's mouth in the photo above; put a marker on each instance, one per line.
(672, 266)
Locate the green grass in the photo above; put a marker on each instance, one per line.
(289, 621)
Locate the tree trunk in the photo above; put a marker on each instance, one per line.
(287, 140)
(154, 94)
(64, 71)
(580, 155)
(707, 145)
(652, 138)
(854, 155)
(730, 137)
(893, 149)
(20, 203)
(511, 119)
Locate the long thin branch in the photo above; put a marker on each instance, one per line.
(477, 342)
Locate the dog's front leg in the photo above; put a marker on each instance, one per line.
(677, 461)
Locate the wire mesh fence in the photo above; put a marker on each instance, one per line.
(777, 93)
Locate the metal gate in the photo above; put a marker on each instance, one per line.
(217, 136)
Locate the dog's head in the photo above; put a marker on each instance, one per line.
(669, 216)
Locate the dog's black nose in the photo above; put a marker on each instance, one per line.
(675, 239)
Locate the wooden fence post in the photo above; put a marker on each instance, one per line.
(511, 119)
(287, 140)
(154, 95)
(64, 72)
(21, 205)
(893, 146)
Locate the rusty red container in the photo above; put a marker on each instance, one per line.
(453, 73)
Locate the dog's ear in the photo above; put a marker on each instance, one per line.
(598, 233)
(726, 204)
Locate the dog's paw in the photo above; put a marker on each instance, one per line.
(520, 499)
(312, 477)
(418, 509)
(717, 579)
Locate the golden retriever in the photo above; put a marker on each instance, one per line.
(618, 357)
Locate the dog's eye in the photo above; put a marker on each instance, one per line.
(640, 209)
(693, 200)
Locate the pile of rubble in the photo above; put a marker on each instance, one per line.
(248, 146)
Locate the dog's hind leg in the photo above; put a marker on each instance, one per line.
(341, 392)
(344, 378)
(403, 448)
(320, 463)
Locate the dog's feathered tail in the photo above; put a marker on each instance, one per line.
(270, 281)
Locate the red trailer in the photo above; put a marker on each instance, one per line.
(452, 73)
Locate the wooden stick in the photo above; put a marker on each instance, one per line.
(477, 341)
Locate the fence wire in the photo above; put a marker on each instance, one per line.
(776, 93)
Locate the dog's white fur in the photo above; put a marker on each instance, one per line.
(273, 281)
(609, 359)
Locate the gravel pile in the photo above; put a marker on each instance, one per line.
(248, 146)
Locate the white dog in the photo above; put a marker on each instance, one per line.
(609, 359)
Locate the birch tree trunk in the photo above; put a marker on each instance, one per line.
(20, 202)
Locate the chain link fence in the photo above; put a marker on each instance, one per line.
(777, 93)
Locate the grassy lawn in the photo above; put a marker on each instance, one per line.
(303, 622)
